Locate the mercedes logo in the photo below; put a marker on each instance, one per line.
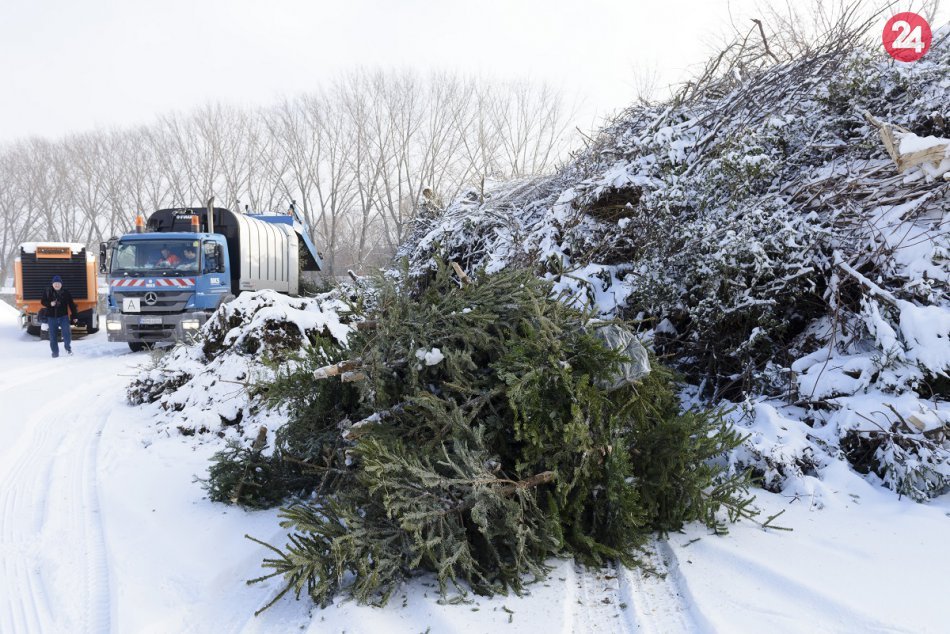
(151, 298)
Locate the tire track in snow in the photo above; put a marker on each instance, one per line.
(23, 605)
(659, 602)
(618, 599)
(50, 505)
(98, 609)
(592, 602)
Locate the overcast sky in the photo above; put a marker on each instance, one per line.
(75, 65)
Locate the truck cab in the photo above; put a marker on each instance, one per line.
(167, 279)
(163, 286)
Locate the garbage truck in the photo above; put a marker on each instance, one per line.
(168, 277)
(34, 268)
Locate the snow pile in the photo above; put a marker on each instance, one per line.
(760, 235)
(210, 386)
(895, 440)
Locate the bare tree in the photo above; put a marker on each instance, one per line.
(355, 157)
(17, 215)
(145, 179)
(82, 174)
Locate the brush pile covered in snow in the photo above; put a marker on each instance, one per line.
(759, 230)
(211, 386)
(765, 242)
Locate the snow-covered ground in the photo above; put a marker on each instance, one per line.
(103, 529)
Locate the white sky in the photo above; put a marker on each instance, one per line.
(74, 65)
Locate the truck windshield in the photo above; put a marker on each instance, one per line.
(155, 257)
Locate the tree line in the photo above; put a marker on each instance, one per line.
(356, 156)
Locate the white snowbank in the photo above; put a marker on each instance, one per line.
(7, 311)
(206, 387)
(926, 331)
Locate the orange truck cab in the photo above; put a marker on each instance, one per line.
(34, 269)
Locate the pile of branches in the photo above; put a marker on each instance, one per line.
(477, 429)
(778, 229)
(211, 386)
(720, 218)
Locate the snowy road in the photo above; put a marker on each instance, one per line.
(103, 529)
(97, 533)
(51, 532)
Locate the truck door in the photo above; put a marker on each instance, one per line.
(214, 272)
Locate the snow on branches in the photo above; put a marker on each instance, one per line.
(752, 226)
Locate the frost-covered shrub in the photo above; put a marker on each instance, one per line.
(746, 165)
(777, 449)
(157, 380)
(718, 216)
(744, 281)
(858, 80)
(909, 463)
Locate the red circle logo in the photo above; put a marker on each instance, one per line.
(907, 37)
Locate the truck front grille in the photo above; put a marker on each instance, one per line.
(168, 301)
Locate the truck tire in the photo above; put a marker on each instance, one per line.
(139, 346)
(93, 325)
(34, 331)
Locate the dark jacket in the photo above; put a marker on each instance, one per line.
(63, 301)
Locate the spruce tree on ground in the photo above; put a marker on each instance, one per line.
(488, 434)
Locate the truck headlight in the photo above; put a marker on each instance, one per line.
(113, 325)
(190, 324)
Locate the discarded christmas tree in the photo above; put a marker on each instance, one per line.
(495, 427)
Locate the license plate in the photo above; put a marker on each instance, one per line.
(150, 321)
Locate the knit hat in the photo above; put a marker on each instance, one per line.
(57, 278)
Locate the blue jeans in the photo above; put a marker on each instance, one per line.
(55, 324)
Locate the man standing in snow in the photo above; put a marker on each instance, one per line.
(59, 305)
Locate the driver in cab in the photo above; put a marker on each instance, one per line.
(168, 259)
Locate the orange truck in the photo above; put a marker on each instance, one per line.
(34, 269)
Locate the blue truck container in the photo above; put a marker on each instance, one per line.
(166, 279)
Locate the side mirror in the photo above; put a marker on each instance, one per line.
(219, 256)
(103, 254)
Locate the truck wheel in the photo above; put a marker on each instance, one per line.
(93, 322)
(34, 331)
(139, 346)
